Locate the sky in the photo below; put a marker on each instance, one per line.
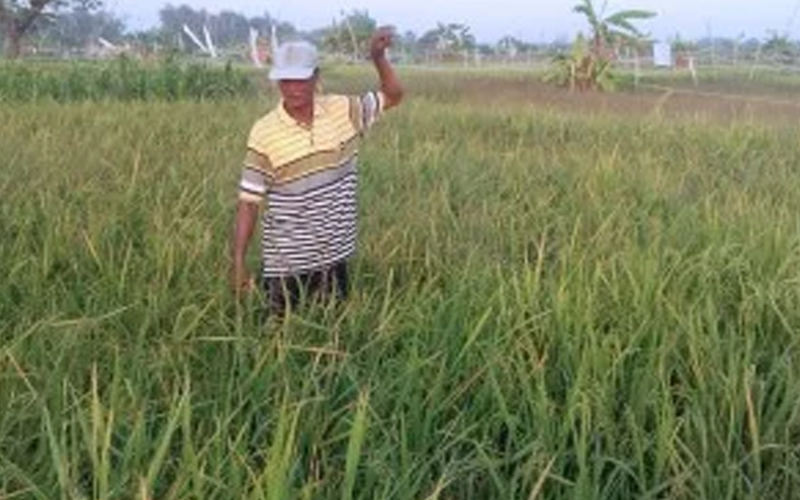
(530, 20)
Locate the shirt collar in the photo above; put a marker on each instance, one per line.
(319, 110)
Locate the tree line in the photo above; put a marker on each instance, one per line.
(65, 25)
(59, 27)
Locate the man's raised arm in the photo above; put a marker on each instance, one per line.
(390, 85)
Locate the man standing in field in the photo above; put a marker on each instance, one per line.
(301, 167)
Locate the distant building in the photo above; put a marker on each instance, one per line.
(662, 55)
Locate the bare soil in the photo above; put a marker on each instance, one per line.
(716, 102)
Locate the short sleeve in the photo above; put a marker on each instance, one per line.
(257, 172)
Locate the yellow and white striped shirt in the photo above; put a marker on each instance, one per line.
(307, 178)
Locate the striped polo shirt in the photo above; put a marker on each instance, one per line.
(306, 178)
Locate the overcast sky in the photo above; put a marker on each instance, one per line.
(533, 20)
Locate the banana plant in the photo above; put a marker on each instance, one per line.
(612, 30)
(580, 70)
(589, 66)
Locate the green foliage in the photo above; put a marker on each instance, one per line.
(451, 38)
(228, 28)
(780, 49)
(545, 306)
(79, 28)
(18, 18)
(581, 70)
(589, 66)
(123, 79)
(350, 35)
(614, 29)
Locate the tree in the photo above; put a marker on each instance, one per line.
(447, 41)
(351, 34)
(458, 37)
(227, 28)
(579, 70)
(283, 29)
(429, 41)
(173, 19)
(405, 44)
(588, 65)
(19, 17)
(509, 47)
(779, 49)
(609, 32)
(82, 27)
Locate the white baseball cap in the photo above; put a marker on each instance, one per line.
(294, 61)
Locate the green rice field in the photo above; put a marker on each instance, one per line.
(556, 296)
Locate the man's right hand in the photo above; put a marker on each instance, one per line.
(242, 282)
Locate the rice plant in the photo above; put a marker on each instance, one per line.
(546, 305)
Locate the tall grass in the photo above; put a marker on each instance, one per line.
(123, 79)
(545, 306)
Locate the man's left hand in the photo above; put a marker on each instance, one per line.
(381, 40)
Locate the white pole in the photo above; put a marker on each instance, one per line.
(273, 38)
(105, 43)
(209, 44)
(693, 70)
(194, 39)
(254, 48)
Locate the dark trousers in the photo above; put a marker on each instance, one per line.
(327, 284)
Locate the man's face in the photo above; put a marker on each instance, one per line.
(298, 94)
